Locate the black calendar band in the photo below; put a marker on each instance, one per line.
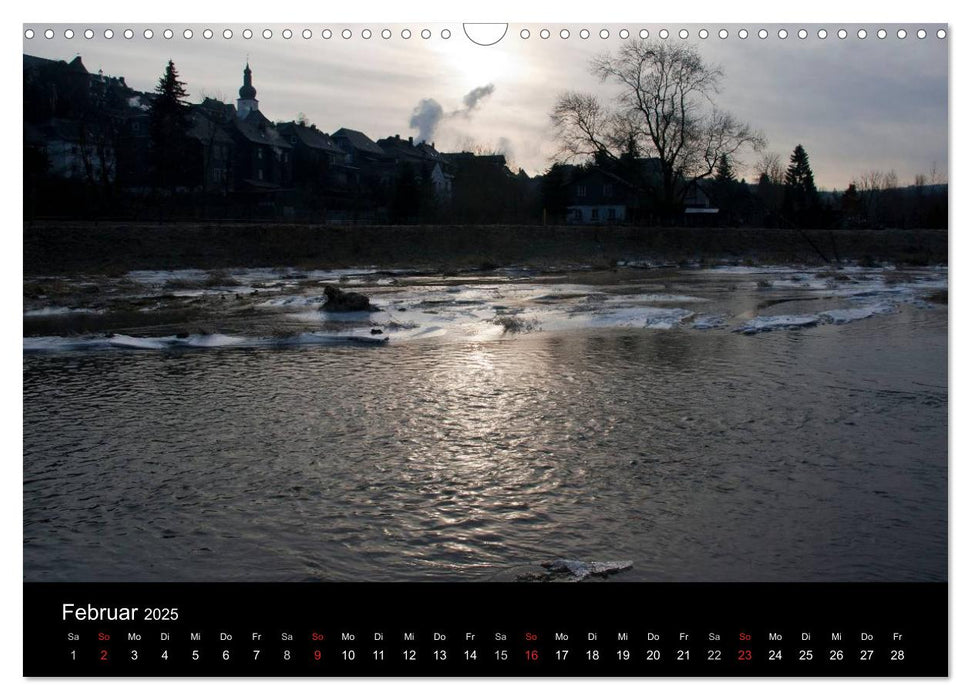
(485, 629)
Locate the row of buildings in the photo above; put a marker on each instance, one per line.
(92, 128)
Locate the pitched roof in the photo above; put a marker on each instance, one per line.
(310, 136)
(650, 166)
(358, 141)
(429, 151)
(466, 157)
(138, 104)
(77, 66)
(579, 175)
(37, 61)
(206, 129)
(402, 149)
(258, 129)
(220, 110)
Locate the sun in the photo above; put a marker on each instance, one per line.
(474, 65)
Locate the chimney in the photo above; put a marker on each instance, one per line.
(397, 137)
(411, 140)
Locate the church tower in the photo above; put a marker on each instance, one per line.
(247, 101)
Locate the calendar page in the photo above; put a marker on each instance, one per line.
(443, 349)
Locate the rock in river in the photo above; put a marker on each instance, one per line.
(339, 300)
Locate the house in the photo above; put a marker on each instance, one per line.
(362, 153)
(698, 208)
(216, 150)
(135, 142)
(75, 150)
(94, 126)
(596, 196)
(424, 161)
(484, 190)
(696, 197)
(466, 159)
(55, 89)
(318, 162)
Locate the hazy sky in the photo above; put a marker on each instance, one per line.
(856, 105)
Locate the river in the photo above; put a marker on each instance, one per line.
(726, 425)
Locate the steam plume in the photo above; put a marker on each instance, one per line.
(428, 113)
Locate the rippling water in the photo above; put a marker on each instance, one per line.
(810, 454)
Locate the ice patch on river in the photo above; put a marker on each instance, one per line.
(579, 570)
(567, 570)
(190, 342)
(58, 311)
(761, 324)
(273, 307)
(857, 314)
(258, 275)
(705, 322)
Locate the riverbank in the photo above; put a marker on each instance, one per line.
(118, 247)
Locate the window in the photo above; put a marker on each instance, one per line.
(608, 190)
(581, 190)
(611, 214)
(259, 174)
(259, 154)
(594, 215)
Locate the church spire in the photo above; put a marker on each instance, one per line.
(247, 92)
(247, 101)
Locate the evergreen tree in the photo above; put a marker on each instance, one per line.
(850, 205)
(801, 203)
(553, 192)
(725, 190)
(724, 172)
(169, 125)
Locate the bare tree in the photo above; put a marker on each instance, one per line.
(664, 108)
(584, 127)
(770, 165)
(869, 185)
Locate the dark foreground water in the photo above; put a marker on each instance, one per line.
(813, 454)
